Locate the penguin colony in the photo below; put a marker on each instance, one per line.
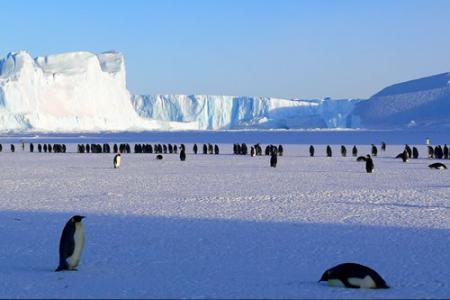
(436, 152)
(348, 275)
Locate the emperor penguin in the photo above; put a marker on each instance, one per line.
(71, 244)
(374, 150)
(195, 148)
(353, 275)
(415, 153)
(182, 155)
(329, 152)
(117, 159)
(311, 150)
(437, 166)
(369, 164)
(354, 151)
(343, 151)
(273, 160)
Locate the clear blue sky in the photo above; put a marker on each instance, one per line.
(295, 49)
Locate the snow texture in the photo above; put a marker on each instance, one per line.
(223, 226)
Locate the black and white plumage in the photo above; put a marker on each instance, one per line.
(354, 151)
(361, 158)
(438, 166)
(415, 153)
(182, 155)
(329, 151)
(343, 151)
(159, 157)
(369, 164)
(353, 275)
(311, 150)
(374, 150)
(430, 152)
(273, 160)
(404, 156)
(71, 244)
(117, 160)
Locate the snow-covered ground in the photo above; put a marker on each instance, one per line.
(223, 226)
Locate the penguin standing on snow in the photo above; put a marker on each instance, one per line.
(343, 151)
(182, 155)
(353, 275)
(415, 153)
(117, 160)
(403, 156)
(311, 150)
(374, 150)
(71, 244)
(329, 152)
(369, 164)
(355, 151)
(273, 159)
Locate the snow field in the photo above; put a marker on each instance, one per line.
(223, 226)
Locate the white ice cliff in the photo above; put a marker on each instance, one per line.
(87, 92)
(77, 91)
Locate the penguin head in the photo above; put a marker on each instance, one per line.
(77, 218)
(325, 276)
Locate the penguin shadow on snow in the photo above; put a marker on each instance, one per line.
(206, 256)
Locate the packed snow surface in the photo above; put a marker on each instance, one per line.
(223, 226)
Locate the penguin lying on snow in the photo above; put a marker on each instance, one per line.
(353, 275)
(437, 166)
(71, 244)
(159, 157)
